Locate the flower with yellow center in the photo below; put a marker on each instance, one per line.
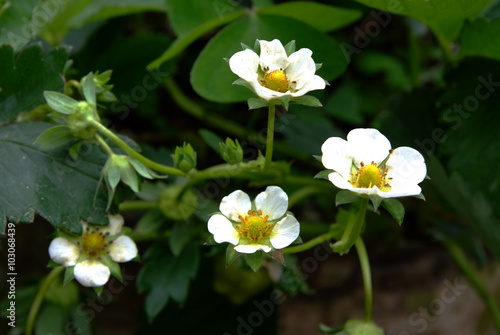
(274, 74)
(89, 252)
(366, 164)
(261, 225)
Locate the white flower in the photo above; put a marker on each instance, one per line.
(274, 74)
(262, 225)
(366, 164)
(87, 252)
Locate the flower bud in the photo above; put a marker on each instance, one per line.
(80, 121)
(184, 157)
(231, 151)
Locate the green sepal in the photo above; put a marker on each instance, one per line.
(98, 290)
(319, 158)
(283, 101)
(245, 47)
(68, 275)
(323, 174)
(210, 241)
(420, 196)
(361, 327)
(231, 151)
(318, 66)
(396, 208)
(114, 267)
(255, 103)
(74, 150)
(256, 47)
(231, 255)
(307, 100)
(244, 83)
(346, 197)
(376, 201)
(290, 48)
(278, 255)
(54, 137)
(89, 89)
(328, 330)
(129, 177)
(143, 170)
(255, 260)
(60, 103)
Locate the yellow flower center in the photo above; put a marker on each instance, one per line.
(254, 226)
(94, 243)
(276, 80)
(369, 176)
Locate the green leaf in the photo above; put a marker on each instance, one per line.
(211, 77)
(307, 100)
(345, 104)
(345, 197)
(150, 222)
(481, 38)
(186, 15)
(54, 137)
(89, 88)
(165, 276)
(81, 13)
(444, 18)
(24, 78)
(51, 319)
(255, 260)
(322, 17)
(256, 103)
(212, 139)
(231, 255)
(328, 330)
(179, 237)
(50, 183)
(396, 208)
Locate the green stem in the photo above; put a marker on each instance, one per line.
(104, 145)
(138, 205)
(352, 230)
(309, 244)
(134, 154)
(270, 137)
(367, 278)
(469, 272)
(39, 298)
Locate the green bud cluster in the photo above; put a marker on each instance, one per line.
(184, 157)
(231, 151)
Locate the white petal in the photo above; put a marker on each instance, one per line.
(115, 224)
(367, 145)
(64, 252)
(223, 230)
(266, 93)
(406, 166)
(339, 181)
(336, 156)
(235, 204)
(285, 232)
(91, 273)
(273, 202)
(123, 249)
(245, 64)
(301, 68)
(251, 248)
(402, 191)
(273, 55)
(316, 83)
